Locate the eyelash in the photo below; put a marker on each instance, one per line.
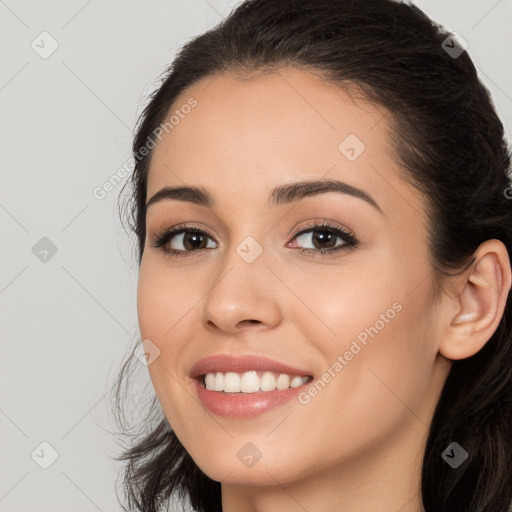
(165, 236)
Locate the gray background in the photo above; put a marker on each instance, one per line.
(65, 128)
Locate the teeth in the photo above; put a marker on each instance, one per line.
(267, 382)
(251, 382)
(283, 382)
(218, 383)
(231, 382)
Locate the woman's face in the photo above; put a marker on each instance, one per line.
(358, 320)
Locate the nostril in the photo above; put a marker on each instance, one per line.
(249, 322)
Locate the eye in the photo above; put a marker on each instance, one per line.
(323, 236)
(180, 240)
(183, 240)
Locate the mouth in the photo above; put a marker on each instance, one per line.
(251, 381)
(248, 394)
(246, 386)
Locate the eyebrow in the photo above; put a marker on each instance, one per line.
(283, 194)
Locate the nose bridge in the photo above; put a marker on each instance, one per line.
(248, 246)
(247, 237)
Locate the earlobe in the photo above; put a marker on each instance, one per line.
(480, 302)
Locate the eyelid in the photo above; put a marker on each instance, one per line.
(319, 222)
(183, 226)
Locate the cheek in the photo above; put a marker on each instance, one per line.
(376, 297)
(163, 298)
(163, 302)
(340, 303)
(167, 302)
(377, 319)
(383, 377)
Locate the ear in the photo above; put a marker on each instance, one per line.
(474, 312)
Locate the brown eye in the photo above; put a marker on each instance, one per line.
(178, 241)
(325, 238)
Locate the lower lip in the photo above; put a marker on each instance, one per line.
(245, 405)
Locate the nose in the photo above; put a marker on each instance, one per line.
(242, 295)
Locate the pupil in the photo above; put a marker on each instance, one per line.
(322, 236)
(192, 237)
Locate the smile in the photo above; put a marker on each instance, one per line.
(251, 381)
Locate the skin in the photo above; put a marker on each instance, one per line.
(358, 444)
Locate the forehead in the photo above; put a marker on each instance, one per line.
(263, 131)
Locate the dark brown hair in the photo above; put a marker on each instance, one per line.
(450, 144)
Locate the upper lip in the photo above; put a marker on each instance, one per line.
(241, 364)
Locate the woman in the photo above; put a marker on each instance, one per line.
(321, 204)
